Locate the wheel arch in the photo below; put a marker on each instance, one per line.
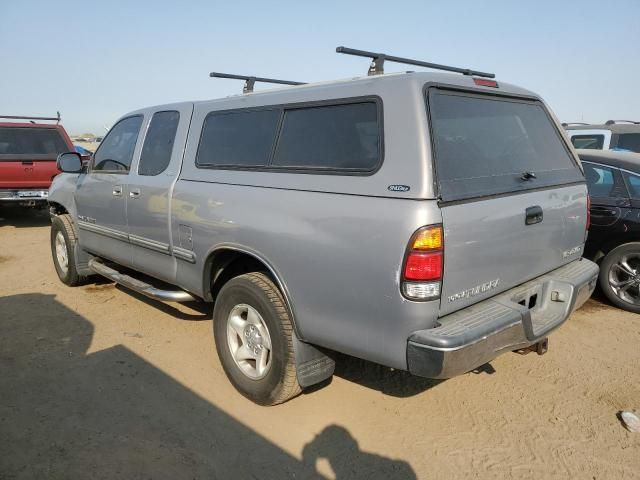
(62, 194)
(612, 243)
(227, 261)
(56, 208)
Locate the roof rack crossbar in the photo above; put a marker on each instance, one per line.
(566, 124)
(249, 81)
(613, 122)
(378, 59)
(20, 117)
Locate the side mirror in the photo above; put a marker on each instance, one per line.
(69, 162)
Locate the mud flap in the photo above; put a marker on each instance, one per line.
(312, 364)
(82, 261)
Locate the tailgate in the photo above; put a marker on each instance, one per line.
(28, 155)
(513, 197)
(488, 245)
(27, 174)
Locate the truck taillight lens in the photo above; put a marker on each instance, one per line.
(423, 266)
(427, 238)
(422, 271)
(485, 83)
(588, 211)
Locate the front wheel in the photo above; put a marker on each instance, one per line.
(254, 339)
(63, 242)
(620, 276)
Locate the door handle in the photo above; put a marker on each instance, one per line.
(604, 211)
(533, 215)
(117, 191)
(134, 193)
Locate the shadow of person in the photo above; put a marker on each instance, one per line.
(341, 450)
(66, 413)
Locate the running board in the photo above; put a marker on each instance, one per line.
(139, 286)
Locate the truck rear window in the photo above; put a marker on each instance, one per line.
(485, 145)
(24, 142)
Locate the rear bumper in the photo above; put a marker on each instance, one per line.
(23, 195)
(471, 337)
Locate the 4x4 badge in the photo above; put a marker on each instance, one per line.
(398, 188)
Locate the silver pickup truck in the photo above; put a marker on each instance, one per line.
(424, 221)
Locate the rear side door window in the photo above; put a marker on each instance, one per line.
(158, 143)
(600, 180)
(633, 183)
(116, 150)
(608, 193)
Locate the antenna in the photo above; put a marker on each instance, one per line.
(249, 81)
(378, 59)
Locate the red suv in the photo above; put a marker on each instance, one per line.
(28, 153)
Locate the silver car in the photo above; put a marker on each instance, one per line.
(424, 221)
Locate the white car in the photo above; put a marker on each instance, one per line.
(621, 135)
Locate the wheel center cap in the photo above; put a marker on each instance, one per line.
(252, 336)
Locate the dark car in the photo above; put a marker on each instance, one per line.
(613, 180)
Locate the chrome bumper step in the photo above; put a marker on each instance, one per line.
(139, 286)
(512, 320)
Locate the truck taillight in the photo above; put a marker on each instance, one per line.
(422, 270)
(485, 83)
(588, 211)
(423, 266)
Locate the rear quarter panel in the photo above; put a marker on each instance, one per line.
(338, 257)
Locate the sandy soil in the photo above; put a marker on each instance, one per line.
(98, 383)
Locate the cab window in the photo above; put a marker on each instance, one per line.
(116, 150)
(158, 143)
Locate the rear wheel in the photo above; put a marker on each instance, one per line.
(620, 276)
(63, 243)
(254, 339)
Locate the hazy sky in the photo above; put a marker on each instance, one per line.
(96, 60)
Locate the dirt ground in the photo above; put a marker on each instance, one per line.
(96, 382)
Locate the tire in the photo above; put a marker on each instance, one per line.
(611, 271)
(251, 294)
(63, 236)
